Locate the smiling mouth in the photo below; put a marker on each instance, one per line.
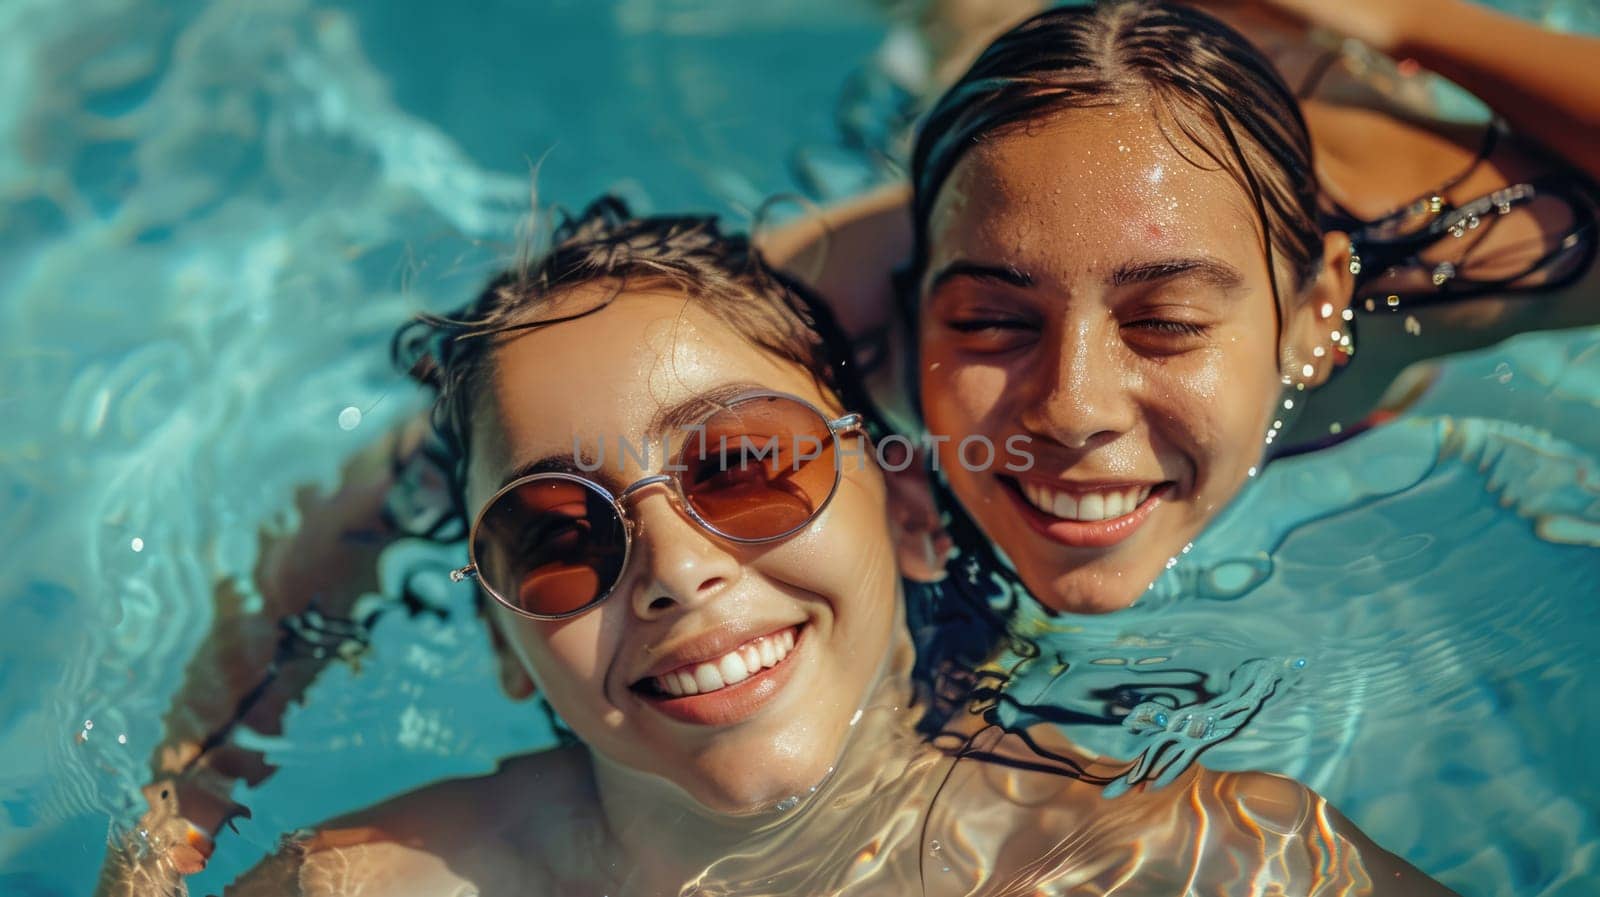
(748, 660)
(1094, 518)
(1088, 506)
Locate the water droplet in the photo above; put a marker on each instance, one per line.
(1392, 301)
(122, 739)
(1335, 427)
(1348, 314)
(788, 803)
(137, 544)
(1289, 403)
(88, 724)
(1327, 309)
(1251, 472)
(349, 418)
(1413, 326)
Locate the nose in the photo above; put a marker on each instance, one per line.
(682, 565)
(1081, 395)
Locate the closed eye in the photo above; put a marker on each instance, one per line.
(979, 325)
(1159, 325)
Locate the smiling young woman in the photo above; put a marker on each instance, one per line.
(1118, 259)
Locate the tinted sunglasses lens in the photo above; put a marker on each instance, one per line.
(551, 546)
(765, 467)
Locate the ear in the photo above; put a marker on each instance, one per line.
(921, 545)
(1310, 349)
(514, 678)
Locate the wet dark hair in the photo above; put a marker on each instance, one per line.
(1203, 77)
(606, 245)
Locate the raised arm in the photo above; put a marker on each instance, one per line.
(848, 253)
(1539, 80)
(256, 661)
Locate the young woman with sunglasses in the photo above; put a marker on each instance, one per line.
(721, 629)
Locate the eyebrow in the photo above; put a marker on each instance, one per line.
(1218, 274)
(1010, 275)
(675, 417)
(691, 411)
(547, 464)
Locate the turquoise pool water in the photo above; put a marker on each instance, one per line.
(1404, 622)
(213, 214)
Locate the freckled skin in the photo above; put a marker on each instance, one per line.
(1102, 378)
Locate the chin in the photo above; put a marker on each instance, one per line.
(739, 787)
(1078, 593)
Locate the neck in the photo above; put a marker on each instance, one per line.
(666, 838)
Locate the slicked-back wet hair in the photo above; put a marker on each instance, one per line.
(1203, 79)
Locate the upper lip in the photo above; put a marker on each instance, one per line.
(1090, 485)
(707, 644)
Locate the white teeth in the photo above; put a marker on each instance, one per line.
(736, 666)
(1086, 507)
(708, 677)
(1092, 507)
(732, 668)
(1064, 506)
(1114, 508)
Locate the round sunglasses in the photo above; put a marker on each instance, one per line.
(758, 468)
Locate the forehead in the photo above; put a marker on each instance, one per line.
(1087, 188)
(608, 374)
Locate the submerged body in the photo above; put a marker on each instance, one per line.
(897, 818)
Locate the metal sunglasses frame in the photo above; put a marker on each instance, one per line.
(838, 426)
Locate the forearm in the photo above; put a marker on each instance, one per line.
(248, 669)
(1539, 80)
(847, 252)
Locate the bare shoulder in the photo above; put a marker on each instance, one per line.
(515, 829)
(1317, 845)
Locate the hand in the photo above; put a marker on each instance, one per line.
(158, 852)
